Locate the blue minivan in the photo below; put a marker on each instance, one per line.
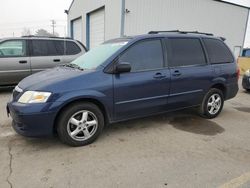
(122, 79)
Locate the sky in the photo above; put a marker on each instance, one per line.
(16, 15)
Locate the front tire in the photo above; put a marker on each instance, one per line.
(80, 124)
(212, 104)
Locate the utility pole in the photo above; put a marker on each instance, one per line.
(53, 25)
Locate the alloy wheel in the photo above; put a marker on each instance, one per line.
(82, 125)
(214, 104)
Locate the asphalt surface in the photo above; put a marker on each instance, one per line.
(175, 150)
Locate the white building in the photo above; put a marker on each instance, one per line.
(94, 21)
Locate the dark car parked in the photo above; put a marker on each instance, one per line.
(126, 78)
(246, 52)
(246, 80)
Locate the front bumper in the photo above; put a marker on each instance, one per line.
(246, 82)
(32, 120)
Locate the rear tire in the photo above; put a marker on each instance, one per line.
(212, 104)
(80, 124)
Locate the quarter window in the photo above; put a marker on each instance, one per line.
(13, 48)
(145, 55)
(72, 48)
(217, 51)
(185, 52)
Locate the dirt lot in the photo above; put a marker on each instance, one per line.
(172, 150)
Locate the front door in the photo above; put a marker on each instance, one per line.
(145, 89)
(14, 61)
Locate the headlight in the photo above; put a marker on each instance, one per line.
(34, 97)
(247, 73)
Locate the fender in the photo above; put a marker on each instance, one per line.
(105, 99)
(219, 80)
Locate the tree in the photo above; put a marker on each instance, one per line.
(26, 32)
(45, 33)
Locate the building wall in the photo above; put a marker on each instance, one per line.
(144, 15)
(189, 15)
(80, 8)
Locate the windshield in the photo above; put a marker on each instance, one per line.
(98, 55)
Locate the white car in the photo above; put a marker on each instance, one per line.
(23, 56)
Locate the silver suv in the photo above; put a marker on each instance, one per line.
(23, 56)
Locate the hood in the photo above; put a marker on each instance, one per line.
(59, 78)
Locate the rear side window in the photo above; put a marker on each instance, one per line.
(44, 48)
(54, 48)
(145, 55)
(217, 51)
(185, 52)
(13, 48)
(72, 48)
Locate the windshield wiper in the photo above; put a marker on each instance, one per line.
(74, 66)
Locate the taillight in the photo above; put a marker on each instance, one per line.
(238, 69)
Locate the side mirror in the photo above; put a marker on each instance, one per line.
(122, 67)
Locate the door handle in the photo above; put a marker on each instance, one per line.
(23, 61)
(176, 73)
(159, 75)
(56, 60)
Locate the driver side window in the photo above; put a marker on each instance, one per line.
(145, 55)
(13, 48)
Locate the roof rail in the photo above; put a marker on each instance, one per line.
(35, 36)
(222, 38)
(182, 32)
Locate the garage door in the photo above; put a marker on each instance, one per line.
(77, 29)
(96, 28)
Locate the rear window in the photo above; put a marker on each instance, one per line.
(185, 52)
(217, 51)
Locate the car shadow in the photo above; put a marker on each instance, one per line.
(185, 120)
(6, 89)
(243, 109)
(44, 143)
